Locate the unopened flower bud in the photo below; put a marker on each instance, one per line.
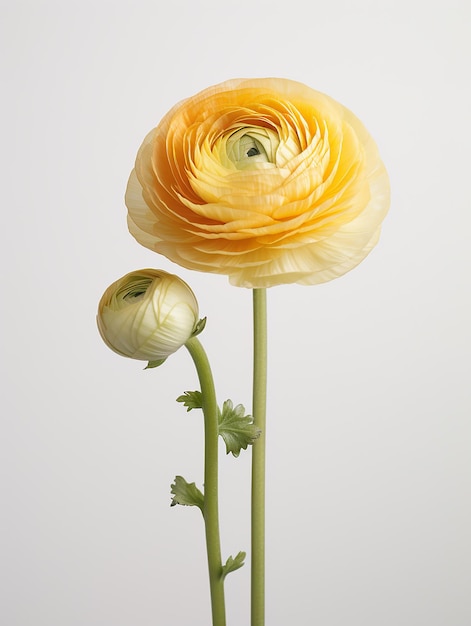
(147, 315)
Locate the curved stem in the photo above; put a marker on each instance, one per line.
(258, 457)
(210, 506)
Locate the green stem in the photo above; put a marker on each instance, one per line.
(210, 507)
(258, 457)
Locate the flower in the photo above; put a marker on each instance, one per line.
(147, 315)
(264, 180)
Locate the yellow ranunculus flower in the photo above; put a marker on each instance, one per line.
(147, 315)
(265, 180)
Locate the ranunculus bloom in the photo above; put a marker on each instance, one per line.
(265, 180)
(147, 315)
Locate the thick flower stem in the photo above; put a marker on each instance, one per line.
(210, 506)
(258, 457)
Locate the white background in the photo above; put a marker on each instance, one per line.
(368, 498)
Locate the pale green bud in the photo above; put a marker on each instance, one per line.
(147, 315)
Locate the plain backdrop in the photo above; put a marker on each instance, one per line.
(368, 493)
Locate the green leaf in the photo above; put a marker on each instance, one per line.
(233, 564)
(199, 327)
(186, 494)
(153, 364)
(191, 399)
(236, 428)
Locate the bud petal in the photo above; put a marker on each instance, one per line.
(147, 315)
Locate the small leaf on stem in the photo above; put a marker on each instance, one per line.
(233, 564)
(191, 399)
(236, 428)
(186, 494)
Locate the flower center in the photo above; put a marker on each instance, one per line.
(134, 291)
(249, 147)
